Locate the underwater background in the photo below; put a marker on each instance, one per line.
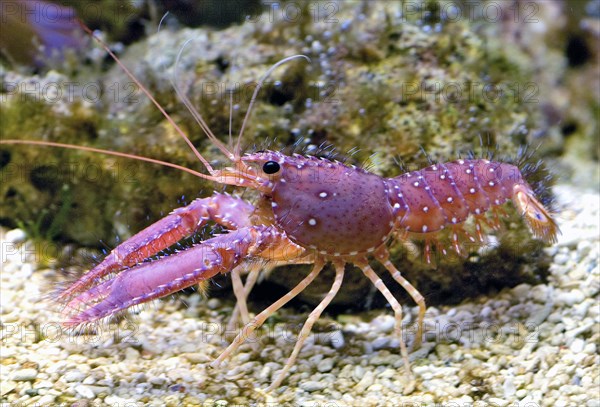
(393, 82)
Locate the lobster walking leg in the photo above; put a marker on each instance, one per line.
(307, 327)
(258, 320)
(242, 290)
(228, 211)
(378, 283)
(383, 257)
(169, 274)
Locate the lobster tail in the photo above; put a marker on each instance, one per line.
(541, 224)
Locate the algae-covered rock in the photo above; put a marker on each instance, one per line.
(383, 79)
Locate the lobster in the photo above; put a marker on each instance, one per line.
(310, 210)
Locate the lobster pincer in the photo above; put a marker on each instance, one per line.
(225, 210)
(157, 278)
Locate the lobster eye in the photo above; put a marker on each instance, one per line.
(271, 167)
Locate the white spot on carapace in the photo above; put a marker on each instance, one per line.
(491, 183)
(477, 211)
(427, 188)
(491, 170)
(442, 177)
(396, 205)
(425, 209)
(468, 170)
(435, 168)
(416, 183)
(461, 162)
(424, 228)
(399, 195)
(273, 205)
(497, 202)
(453, 220)
(312, 221)
(449, 199)
(323, 194)
(472, 190)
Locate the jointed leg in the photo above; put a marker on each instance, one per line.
(383, 257)
(307, 327)
(283, 254)
(258, 320)
(242, 291)
(155, 279)
(226, 210)
(368, 271)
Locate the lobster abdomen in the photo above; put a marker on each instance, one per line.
(442, 195)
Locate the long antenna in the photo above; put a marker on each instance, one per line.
(147, 93)
(109, 152)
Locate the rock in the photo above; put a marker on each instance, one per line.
(312, 385)
(380, 343)
(495, 401)
(522, 291)
(84, 391)
(561, 259)
(157, 380)
(213, 303)
(337, 339)
(358, 372)
(325, 365)
(24, 375)
(570, 297)
(577, 345)
(131, 354)
(74, 376)
(367, 380)
(383, 323)
(6, 387)
(15, 236)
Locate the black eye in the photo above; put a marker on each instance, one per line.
(271, 167)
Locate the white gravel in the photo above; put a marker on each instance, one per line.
(525, 346)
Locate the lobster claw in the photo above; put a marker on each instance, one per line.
(158, 278)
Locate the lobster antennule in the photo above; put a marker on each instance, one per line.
(237, 149)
